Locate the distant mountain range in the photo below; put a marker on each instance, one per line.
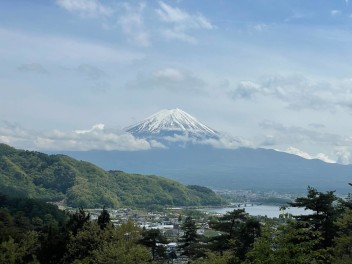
(189, 157)
(82, 184)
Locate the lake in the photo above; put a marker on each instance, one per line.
(262, 210)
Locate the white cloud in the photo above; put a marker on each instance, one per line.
(228, 142)
(156, 144)
(246, 90)
(181, 18)
(178, 24)
(223, 142)
(329, 147)
(335, 13)
(97, 137)
(132, 24)
(295, 134)
(129, 17)
(60, 50)
(259, 27)
(298, 15)
(178, 138)
(298, 92)
(170, 79)
(170, 14)
(90, 8)
(344, 155)
(178, 35)
(97, 127)
(169, 73)
(181, 22)
(298, 152)
(5, 140)
(324, 158)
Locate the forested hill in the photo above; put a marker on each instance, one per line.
(82, 184)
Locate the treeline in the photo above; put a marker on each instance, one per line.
(322, 236)
(81, 184)
(31, 231)
(36, 232)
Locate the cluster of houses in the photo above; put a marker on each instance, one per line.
(168, 223)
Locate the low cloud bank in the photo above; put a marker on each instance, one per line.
(98, 137)
(95, 138)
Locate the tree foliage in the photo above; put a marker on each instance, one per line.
(77, 220)
(82, 184)
(104, 219)
(151, 239)
(324, 213)
(189, 242)
(343, 240)
(49, 236)
(238, 233)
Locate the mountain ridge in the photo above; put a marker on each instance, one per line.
(34, 174)
(232, 169)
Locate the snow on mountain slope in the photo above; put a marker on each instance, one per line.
(171, 123)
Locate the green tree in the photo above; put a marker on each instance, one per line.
(214, 258)
(286, 243)
(77, 220)
(238, 233)
(53, 245)
(104, 218)
(151, 238)
(324, 214)
(122, 246)
(262, 251)
(189, 242)
(92, 244)
(343, 240)
(81, 244)
(24, 251)
(305, 238)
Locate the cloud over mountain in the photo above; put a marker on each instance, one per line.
(95, 138)
(298, 152)
(277, 134)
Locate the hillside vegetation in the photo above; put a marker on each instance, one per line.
(82, 184)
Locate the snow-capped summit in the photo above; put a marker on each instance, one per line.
(171, 123)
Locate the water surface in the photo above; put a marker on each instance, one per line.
(262, 210)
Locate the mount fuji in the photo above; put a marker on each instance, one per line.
(170, 126)
(188, 155)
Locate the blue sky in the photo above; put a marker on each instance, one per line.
(274, 73)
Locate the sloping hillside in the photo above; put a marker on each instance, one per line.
(242, 168)
(82, 184)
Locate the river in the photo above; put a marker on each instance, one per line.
(262, 210)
